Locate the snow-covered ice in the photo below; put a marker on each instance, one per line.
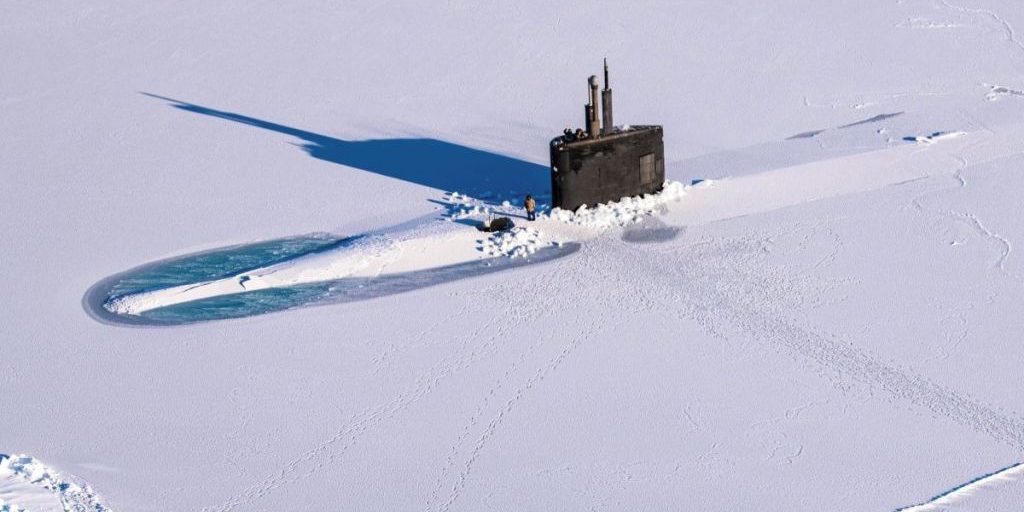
(821, 312)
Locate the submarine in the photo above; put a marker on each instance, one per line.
(605, 163)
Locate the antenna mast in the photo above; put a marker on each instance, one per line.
(606, 104)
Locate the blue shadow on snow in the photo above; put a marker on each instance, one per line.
(429, 162)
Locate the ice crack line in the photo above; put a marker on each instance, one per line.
(973, 221)
(947, 498)
(968, 218)
(1011, 35)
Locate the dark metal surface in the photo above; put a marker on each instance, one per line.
(604, 164)
(607, 123)
(593, 117)
(608, 168)
(497, 224)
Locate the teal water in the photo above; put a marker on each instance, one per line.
(238, 305)
(230, 261)
(220, 263)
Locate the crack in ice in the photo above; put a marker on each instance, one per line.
(940, 501)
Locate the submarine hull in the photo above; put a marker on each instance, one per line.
(607, 168)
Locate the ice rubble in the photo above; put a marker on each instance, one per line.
(23, 479)
(524, 241)
(517, 242)
(627, 210)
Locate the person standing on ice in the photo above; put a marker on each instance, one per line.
(531, 207)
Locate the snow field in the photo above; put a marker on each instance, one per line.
(839, 306)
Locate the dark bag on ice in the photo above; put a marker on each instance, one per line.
(497, 224)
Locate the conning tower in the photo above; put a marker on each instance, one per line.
(602, 163)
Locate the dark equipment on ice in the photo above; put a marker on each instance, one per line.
(605, 163)
(497, 224)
